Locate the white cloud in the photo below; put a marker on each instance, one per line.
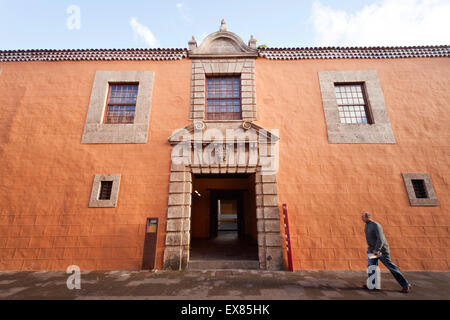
(182, 11)
(384, 23)
(143, 34)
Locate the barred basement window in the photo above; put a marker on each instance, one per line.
(419, 188)
(121, 106)
(105, 190)
(223, 98)
(352, 104)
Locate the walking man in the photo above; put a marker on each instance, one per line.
(378, 246)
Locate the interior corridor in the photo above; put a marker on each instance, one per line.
(223, 222)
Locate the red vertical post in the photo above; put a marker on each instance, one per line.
(287, 237)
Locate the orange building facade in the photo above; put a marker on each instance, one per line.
(331, 132)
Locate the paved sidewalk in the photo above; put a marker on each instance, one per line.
(219, 285)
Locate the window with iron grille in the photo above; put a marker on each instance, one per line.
(223, 98)
(121, 105)
(419, 188)
(352, 104)
(105, 190)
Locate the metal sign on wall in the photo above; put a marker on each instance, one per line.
(151, 231)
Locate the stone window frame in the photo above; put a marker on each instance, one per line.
(380, 131)
(95, 131)
(201, 68)
(431, 200)
(94, 202)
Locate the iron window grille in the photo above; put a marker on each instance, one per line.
(352, 104)
(223, 95)
(121, 106)
(105, 190)
(420, 189)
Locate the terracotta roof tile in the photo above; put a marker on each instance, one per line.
(93, 54)
(354, 52)
(268, 53)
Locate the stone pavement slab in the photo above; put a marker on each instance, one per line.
(220, 285)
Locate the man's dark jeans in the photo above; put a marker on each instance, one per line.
(386, 259)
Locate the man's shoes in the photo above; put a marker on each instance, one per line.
(406, 289)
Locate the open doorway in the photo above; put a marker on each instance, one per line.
(223, 222)
(226, 213)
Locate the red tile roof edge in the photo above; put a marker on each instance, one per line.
(355, 52)
(355, 47)
(268, 53)
(93, 54)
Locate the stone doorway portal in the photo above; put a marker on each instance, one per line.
(248, 150)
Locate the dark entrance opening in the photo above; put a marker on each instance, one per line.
(223, 222)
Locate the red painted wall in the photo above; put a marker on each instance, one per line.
(46, 174)
(326, 186)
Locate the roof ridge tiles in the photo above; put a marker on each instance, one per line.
(293, 53)
(366, 52)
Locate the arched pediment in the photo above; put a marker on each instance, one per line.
(222, 44)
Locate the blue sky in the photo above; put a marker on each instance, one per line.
(170, 24)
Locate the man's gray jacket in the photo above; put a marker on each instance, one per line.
(375, 237)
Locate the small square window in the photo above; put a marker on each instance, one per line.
(419, 189)
(105, 190)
